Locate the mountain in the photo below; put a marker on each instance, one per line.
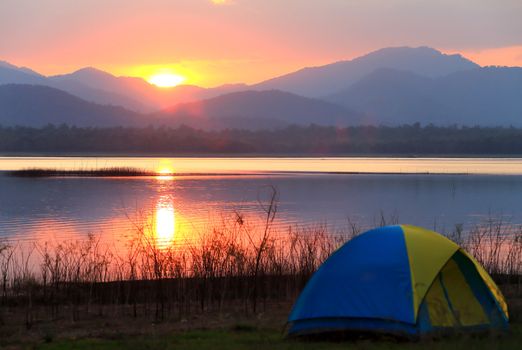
(100, 87)
(481, 96)
(134, 93)
(12, 74)
(326, 80)
(4, 64)
(259, 109)
(485, 96)
(35, 105)
(390, 86)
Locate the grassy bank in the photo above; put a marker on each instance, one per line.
(235, 265)
(236, 273)
(249, 337)
(216, 330)
(269, 339)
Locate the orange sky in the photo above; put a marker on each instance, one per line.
(503, 56)
(212, 42)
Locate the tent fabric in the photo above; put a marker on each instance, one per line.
(425, 264)
(386, 272)
(497, 294)
(399, 279)
(493, 304)
(459, 299)
(438, 308)
(466, 308)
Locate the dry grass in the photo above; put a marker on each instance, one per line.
(235, 268)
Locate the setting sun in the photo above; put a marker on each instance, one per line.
(165, 168)
(166, 80)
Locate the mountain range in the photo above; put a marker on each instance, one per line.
(390, 86)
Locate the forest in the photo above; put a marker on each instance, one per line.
(410, 140)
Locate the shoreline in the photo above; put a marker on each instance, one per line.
(259, 155)
(130, 166)
(57, 173)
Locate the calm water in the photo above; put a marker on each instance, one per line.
(71, 208)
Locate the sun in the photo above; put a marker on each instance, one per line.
(166, 79)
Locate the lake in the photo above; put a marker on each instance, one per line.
(202, 193)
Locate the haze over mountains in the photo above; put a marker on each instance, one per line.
(390, 86)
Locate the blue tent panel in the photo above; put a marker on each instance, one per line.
(368, 278)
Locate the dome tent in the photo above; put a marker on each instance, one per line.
(402, 280)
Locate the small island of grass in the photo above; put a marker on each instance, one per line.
(101, 172)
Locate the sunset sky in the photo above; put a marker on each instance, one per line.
(211, 42)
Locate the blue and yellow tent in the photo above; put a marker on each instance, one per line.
(399, 279)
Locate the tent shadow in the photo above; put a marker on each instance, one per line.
(395, 338)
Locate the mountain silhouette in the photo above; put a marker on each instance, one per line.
(139, 94)
(4, 64)
(390, 86)
(255, 109)
(35, 105)
(487, 96)
(10, 74)
(100, 87)
(326, 80)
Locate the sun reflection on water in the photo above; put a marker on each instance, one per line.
(164, 222)
(165, 177)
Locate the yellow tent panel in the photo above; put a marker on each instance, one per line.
(465, 306)
(428, 252)
(490, 283)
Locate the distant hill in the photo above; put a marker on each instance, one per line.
(140, 95)
(101, 87)
(259, 109)
(326, 80)
(33, 105)
(391, 86)
(4, 64)
(134, 93)
(482, 96)
(10, 74)
(97, 86)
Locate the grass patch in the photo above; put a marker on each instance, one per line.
(274, 340)
(243, 327)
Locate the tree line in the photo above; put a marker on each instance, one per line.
(412, 139)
